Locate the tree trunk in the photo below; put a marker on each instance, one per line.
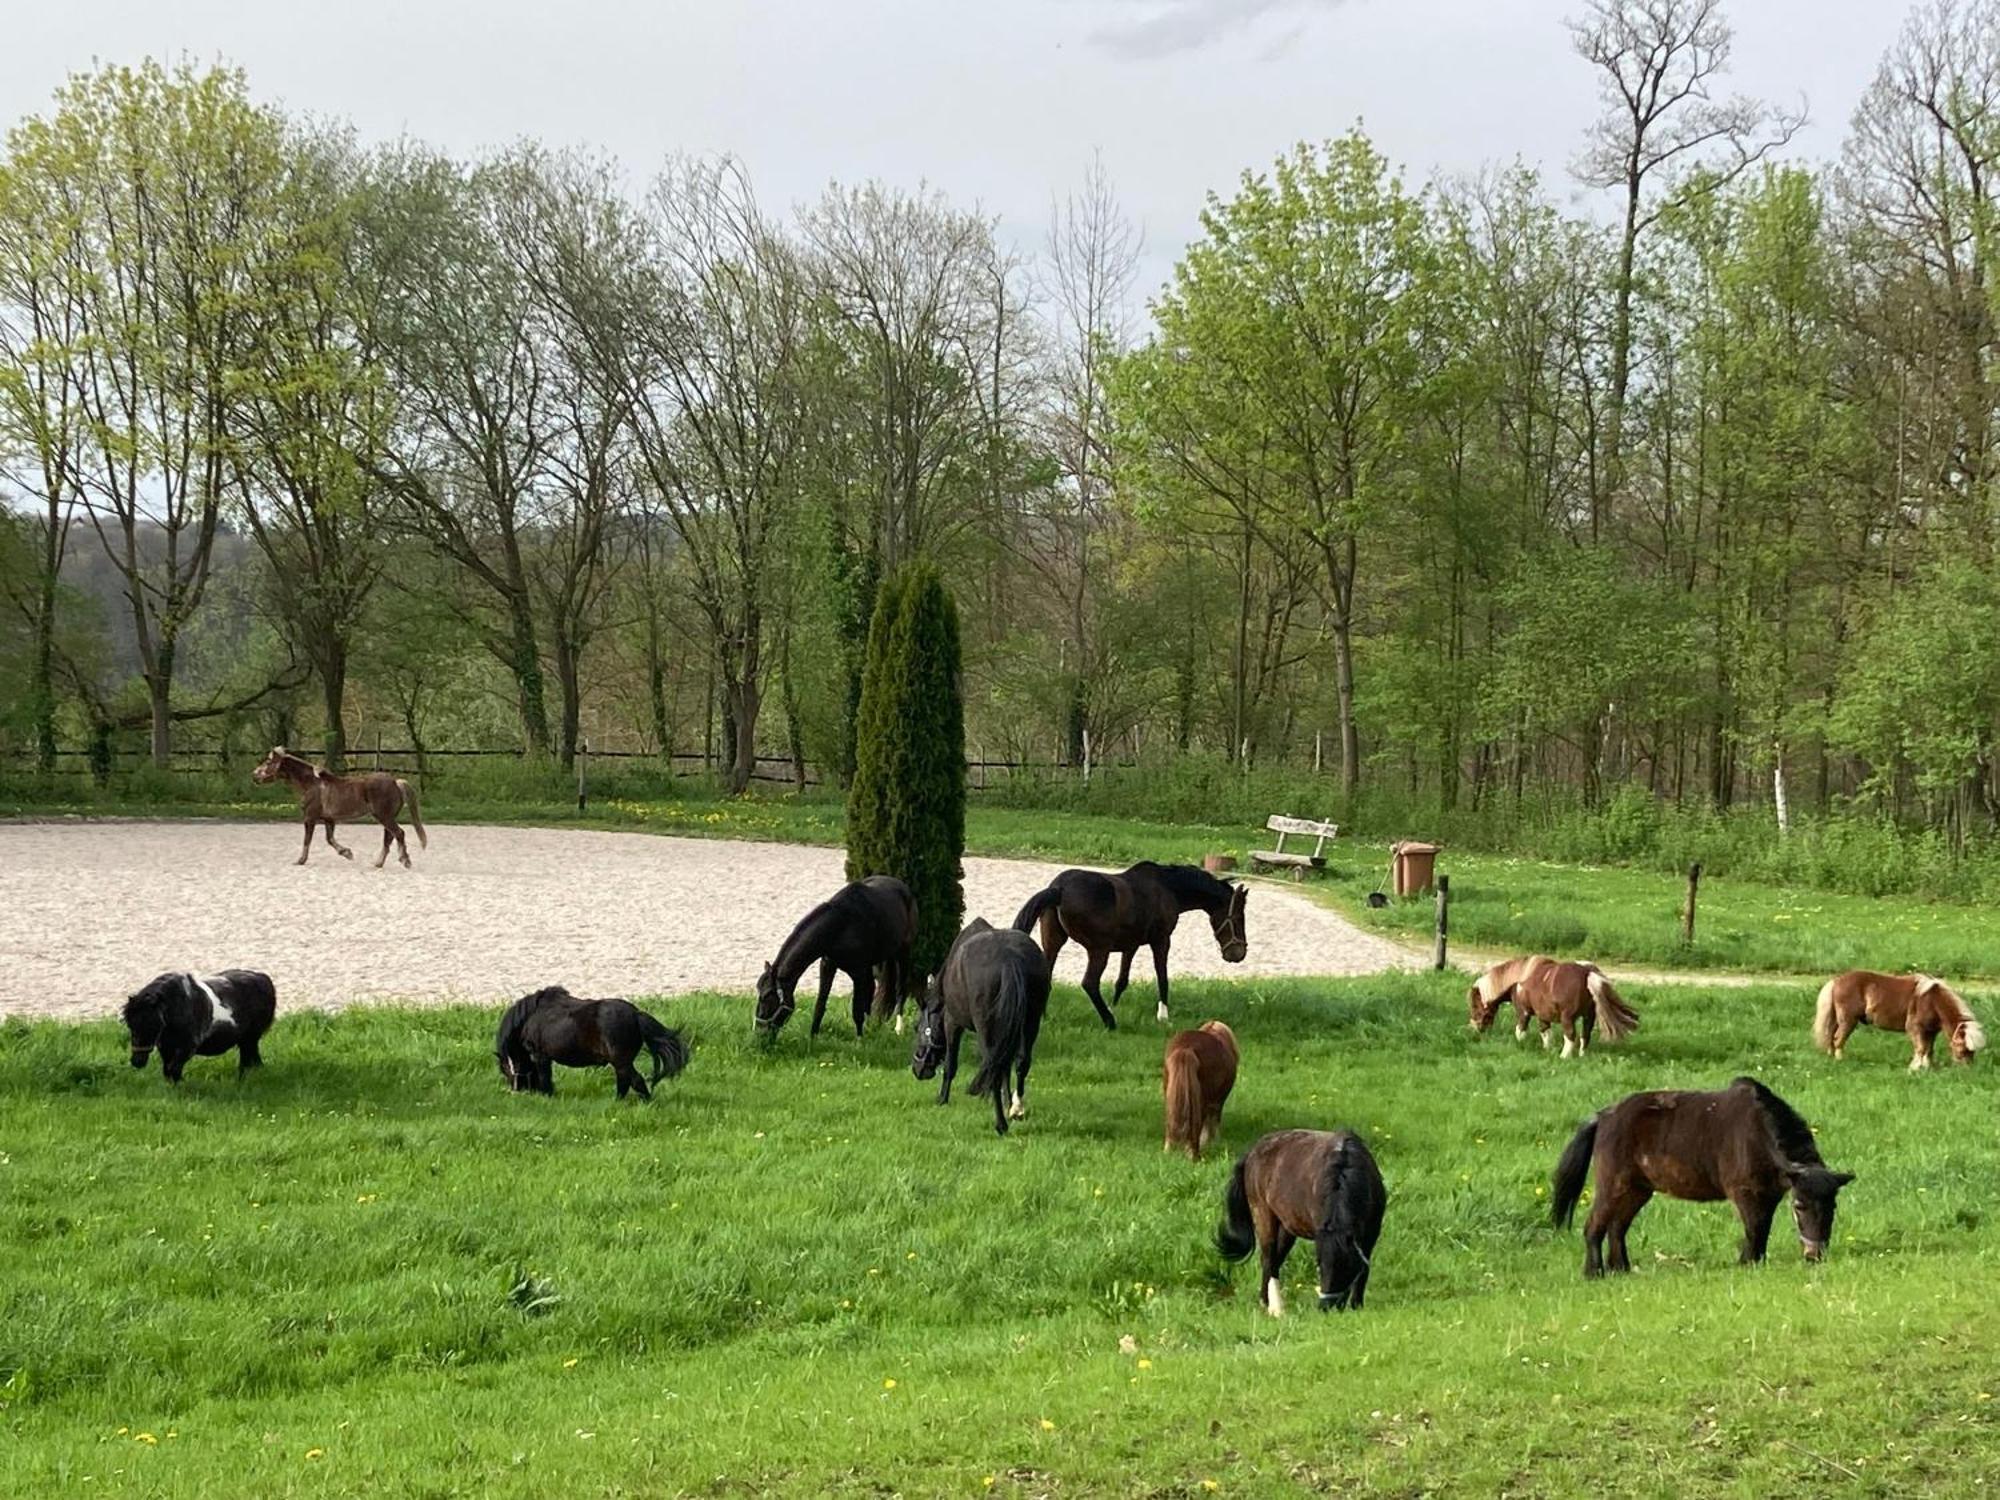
(526, 665)
(333, 690)
(569, 668)
(159, 695)
(745, 699)
(656, 689)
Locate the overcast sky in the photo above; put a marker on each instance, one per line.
(999, 103)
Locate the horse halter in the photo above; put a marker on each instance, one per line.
(1227, 934)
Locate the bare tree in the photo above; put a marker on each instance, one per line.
(1658, 62)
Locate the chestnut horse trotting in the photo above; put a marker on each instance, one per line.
(1574, 996)
(1742, 1143)
(1915, 1004)
(1121, 914)
(326, 798)
(1199, 1072)
(1313, 1185)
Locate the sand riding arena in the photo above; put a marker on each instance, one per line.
(92, 910)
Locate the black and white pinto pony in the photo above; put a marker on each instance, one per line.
(553, 1026)
(864, 928)
(185, 1015)
(995, 983)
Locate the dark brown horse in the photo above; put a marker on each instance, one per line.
(1199, 1072)
(864, 928)
(1574, 996)
(326, 798)
(1313, 1185)
(1742, 1143)
(1915, 1004)
(553, 1026)
(1121, 914)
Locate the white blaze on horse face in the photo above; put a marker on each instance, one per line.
(1274, 1300)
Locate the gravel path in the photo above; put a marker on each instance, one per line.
(89, 911)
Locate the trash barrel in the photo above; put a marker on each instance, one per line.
(1414, 867)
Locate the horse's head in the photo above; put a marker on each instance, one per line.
(775, 1001)
(1480, 1010)
(145, 1019)
(1227, 920)
(929, 1049)
(1967, 1037)
(1813, 1191)
(271, 767)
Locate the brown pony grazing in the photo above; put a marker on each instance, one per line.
(1575, 996)
(1915, 1004)
(1742, 1143)
(326, 799)
(1197, 1076)
(1313, 1185)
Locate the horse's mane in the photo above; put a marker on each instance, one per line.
(1789, 1131)
(516, 1015)
(166, 993)
(1184, 880)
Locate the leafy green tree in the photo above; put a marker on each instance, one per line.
(906, 809)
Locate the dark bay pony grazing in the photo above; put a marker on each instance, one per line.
(1313, 1185)
(1121, 914)
(994, 982)
(553, 1026)
(1574, 996)
(1199, 1072)
(867, 925)
(326, 799)
(184, 1015)
(1914, 1004)
(1742, 1143)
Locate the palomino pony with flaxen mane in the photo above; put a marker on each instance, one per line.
(183, 1016)
(1199, 1072)
(326, 798)
(553, 1026)
(1742, 1143)
(867, 925)
(1915, 1004)
(1574, 996)
(994, 983)
(1121, 914)
(1313, 1185)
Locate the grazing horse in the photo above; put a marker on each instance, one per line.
(1199, 1072)
(868, 924)
(326, 798)
(1914, 1004)
(1121, 914)
(1575, 996)
(553, 1026)
(1313, 1185)
(993, 982)
(1742, 1143)
(183, 1016)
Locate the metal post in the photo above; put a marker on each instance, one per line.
(1443, 910)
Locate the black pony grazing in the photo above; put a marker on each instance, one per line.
(1742, 1143)
(1121, 914)
(553, 1026)
(868, 924)
(185, 1016)
(994, 982)
(1316, 1185)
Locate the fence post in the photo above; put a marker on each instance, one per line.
(1687, 912)
(1086, 757)
(582, 757)
(1443, 917)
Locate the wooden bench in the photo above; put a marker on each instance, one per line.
(1282, 858)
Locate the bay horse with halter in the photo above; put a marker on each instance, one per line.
(184, 1015)
(1196, 1077)
(1574, 996)
(1121, 914)
(326, 798)
(553, 1026)
(866, 926)
(1742, 1143)
(1916, 1004)
(1313, 1185)
(994, 983)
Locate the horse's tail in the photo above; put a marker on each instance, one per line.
(1615, 1018)
(668, 1047)
(1571, 1170)
(1038, 903)
(1824, 1020)
(1183, 1088)
(1236, 1234)
(1006, 1030)
(416, 817)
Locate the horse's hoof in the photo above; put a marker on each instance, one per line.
(345, 853)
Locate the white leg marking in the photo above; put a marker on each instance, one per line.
(1274, 1300)
(1161, 1012)
(899, 1023)
(1520, 1031)
(1018, 1110)
(1547, 1038)
(1569, 1048)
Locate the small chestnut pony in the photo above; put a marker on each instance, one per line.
(1197, 1076)
(1914, 1004)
